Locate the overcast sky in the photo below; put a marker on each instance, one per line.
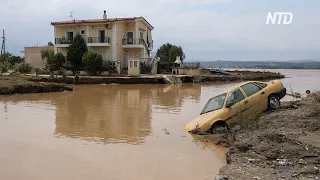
(206, 29)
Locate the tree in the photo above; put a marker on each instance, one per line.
(92, 61)
(53, 61)
(168, 53)
(76, 50)
(10, 60)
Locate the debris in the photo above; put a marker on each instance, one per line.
(166, 131)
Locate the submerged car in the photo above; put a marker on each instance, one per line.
(236, 103)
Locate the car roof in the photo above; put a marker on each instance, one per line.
(238, 85)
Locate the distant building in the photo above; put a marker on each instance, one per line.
(116, 39)
(32, 56)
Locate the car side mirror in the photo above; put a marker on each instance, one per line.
(229, 104)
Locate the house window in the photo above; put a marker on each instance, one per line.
(133, 64)
(141, 35)
(82, 32)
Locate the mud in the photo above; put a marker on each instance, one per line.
(285, 145)
(17, 84)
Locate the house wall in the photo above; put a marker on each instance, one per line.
(130, 26)
(33, 56)
(60, 31)
(93, 30)
(107, 49)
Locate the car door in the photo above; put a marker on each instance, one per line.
(255, 97)
(238, 107)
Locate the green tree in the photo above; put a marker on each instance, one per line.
(92, 61)
(53, 61)
(168, 53)
(10, 60)
(76, 50)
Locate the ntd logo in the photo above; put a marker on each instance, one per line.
(287, 17)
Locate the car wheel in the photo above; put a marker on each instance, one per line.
(274, 102)
(219, 128)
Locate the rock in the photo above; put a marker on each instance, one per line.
(256, 177)
(294, 174)
(221, 177)
(310, 169)
(301, 161)
(282, 162)
(251, 160)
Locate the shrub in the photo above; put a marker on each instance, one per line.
(25, 68)
(4, 67)
(315, 96)
(92, 61)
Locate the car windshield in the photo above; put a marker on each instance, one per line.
(214, 103)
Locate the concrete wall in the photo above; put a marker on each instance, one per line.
(186, 71)
(134, 67)
(33, 56)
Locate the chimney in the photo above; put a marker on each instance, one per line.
(104, 14)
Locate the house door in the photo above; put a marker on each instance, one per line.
(130, 37)
(102, 36)
(70, 35)
(104, 56)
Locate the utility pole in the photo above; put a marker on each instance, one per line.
(3, 46)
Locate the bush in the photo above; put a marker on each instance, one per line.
(4, 67)
(92, 61)
(25, 68)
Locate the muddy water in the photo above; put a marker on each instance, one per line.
(125, 132)
(107, 132)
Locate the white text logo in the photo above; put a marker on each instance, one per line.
(282, 17)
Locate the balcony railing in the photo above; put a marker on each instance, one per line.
(63, 40)
(98, 40)
(132, 41)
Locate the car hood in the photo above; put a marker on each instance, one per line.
(198, 121)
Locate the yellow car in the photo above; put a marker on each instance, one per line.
(237, 102)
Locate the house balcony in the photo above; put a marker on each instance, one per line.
(133, 43)
(98, 41)
(62, 42)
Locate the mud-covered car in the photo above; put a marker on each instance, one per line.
(236, 103)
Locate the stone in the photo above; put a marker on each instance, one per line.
(301, 161)
(310, 169)
(256, 177)
(221, 177)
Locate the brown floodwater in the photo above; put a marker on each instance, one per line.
(125, 132)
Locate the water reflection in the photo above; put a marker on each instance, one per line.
(109, 114)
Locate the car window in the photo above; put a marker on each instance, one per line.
(214, 103)
(250, 89)
(235, 96)
(262, 85)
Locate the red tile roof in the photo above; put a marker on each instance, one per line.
(91, 21)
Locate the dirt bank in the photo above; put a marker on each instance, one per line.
(160, 78)
(284, 144)
(18, 84)
(242, 75)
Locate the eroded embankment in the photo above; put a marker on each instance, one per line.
(242, 75)
(18, 84)
(284, 144)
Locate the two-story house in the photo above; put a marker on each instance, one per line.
(116, 39)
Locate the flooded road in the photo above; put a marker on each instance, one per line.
(107, 132)
(125, 132)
